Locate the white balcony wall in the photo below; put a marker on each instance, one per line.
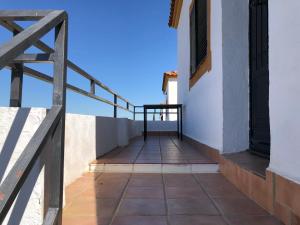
(164, 126)
(86, 138)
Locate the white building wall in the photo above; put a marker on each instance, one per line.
(284, 35)
(235, 36)
(202, 104)
(172, 97)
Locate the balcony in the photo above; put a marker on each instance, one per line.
(62, 168)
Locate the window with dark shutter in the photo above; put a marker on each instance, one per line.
(201, 30)
(199, 43)
(193, 40)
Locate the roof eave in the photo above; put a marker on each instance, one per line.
(175, 12)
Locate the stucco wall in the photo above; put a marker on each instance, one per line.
(203, 103)
(157, 126)
(172, 98)
(284, 42)
(235, 25)
(86, 138)
(16, 129)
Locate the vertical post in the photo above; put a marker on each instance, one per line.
(115, 107)
(167, 114)
(16, 83)
(127, 105)
(145, 123)
(177, 121)
(93, 88)
(133, 112)
(181, 122)
(56, 176)
(154, 113)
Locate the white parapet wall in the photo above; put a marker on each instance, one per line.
(162, 126)
(86, 138)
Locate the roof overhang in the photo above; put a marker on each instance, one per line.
(167, 76)
(175, 12)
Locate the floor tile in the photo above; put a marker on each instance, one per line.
(185, 192)
(146, 181)
(212, 179)
(101, 208)
(177, 180)
(144, 192)
(142, 207)
(225, 190)
(239, 206)
(85, 220)
(253, 220)
(196, 220)
(140, 220)
(191, 206)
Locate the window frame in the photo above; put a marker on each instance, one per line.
(205, 65)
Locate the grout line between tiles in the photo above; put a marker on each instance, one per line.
(164, 190)
(139, 153)
(121, 200)
(212, 200)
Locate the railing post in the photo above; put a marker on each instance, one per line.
(181, 123)
(177, 111)
(16, 83)
(115, 107)
(133, 112)
(56, 167)
(93, 88)
(145, 123)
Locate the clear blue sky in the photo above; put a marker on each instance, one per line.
(125, 44)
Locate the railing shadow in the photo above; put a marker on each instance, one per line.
(12, 139)
(25, 193)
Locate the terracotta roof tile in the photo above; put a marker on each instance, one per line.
(167, 76)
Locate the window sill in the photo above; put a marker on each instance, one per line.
(201, 70)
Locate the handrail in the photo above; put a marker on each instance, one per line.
(46, 78)
(10, 25)
(12, 184)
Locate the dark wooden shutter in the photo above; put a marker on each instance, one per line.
(193, 63)
(201, 30)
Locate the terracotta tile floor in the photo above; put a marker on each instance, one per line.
(159, 199)
(156, 150)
